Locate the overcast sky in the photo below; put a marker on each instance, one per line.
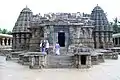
(10, 9)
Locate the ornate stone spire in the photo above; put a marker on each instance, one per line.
(102, 31)
(23, 21)
(100, 18)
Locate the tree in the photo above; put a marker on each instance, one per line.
(4, 31)
(116, 26)
(9, 32)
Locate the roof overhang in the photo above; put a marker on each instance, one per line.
(5, 36)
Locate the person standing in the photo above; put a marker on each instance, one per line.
(47, 46)
(42, 46)
(57, 49)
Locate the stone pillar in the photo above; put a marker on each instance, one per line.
(0, 41)
(89, 61)
(3, 41)
(118, 41)
(11, 42)
(97, 42)
(42, 61)
(72, 33)
(32, 62)
(46, 32)
(7, 42)
(77, 59)
(114, 41)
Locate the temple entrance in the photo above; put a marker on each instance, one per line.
(61, 39)
(83, 60)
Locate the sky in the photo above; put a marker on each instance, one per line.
(10, 9)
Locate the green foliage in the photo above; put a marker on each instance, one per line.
(9, 32)
(5, 31)
(0, 30)
(116, 26)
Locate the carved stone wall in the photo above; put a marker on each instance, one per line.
(81, 35)
(37, 36)
(21, 41)
(102, 32)
(51, 35)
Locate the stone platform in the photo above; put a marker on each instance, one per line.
(42, 60)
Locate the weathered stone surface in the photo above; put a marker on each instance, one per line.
(103, 31)
(73, 32)
(59, 61)
(21, 33)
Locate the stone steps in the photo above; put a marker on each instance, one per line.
(63, 50)
(61, 61)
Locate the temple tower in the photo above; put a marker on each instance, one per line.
(20, 32)
(102, 32)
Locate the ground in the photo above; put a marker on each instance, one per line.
(110, 70)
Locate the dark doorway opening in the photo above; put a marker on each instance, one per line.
(83, 60)
(61, 39)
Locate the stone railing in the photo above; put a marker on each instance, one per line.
(4, 50)
(5, 47)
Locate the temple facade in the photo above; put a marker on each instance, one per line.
(77, 34)
(67, 29)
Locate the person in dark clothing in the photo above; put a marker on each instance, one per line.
(42, 46)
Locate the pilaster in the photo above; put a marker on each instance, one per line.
(7, 42)
(11, 42)
(3, 41)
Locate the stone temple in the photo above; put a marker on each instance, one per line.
(78, 34)
(65, 28)
(92, 30)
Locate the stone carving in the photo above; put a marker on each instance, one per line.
(101, 25)
(90, 32)
(72, 33)
(77, 32)
(81, 34)
(51, 31)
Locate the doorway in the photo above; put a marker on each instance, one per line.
(61, 39)
(83, 60)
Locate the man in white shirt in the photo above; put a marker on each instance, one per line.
(42, 46)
